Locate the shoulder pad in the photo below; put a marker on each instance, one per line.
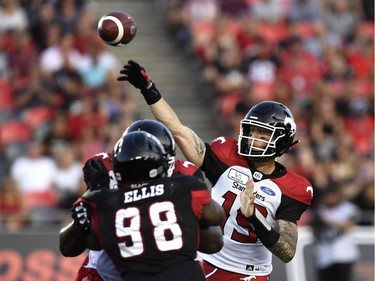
(296, 186)
(225, 148)
(185, 167)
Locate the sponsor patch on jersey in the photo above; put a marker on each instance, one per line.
(238, 176)
(267, 190)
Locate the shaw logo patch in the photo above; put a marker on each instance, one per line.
(267, 190)
(238, 176)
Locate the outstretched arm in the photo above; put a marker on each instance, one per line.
(188, 141)
(191, 145)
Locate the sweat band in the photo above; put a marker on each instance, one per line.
(151, 94)
(266, 234)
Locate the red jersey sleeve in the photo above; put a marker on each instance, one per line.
(199, 199)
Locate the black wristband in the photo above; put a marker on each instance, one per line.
(266, 234)
(151, 94)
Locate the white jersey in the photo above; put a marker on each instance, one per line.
(237, 255)
(280, 195)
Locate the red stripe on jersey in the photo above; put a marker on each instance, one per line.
(226, 150)
(199, 199)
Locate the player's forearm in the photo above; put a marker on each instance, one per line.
(280, 239)
(187, 140)
(72, 241)
(285, 247)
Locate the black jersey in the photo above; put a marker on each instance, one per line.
(150, 229)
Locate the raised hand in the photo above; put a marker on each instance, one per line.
(247, 199)
(135, 75)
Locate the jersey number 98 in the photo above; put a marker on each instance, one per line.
(132, 230)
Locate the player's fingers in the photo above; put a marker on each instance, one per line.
(250, 186)
(133, 63)
(125, 71)
(242, 197)
(122, 78)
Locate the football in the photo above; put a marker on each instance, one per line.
(117, 28)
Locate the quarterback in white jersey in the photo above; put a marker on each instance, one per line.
(280, 195)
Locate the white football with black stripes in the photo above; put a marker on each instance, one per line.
(117, 28)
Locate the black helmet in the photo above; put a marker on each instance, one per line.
(162, 133)
(275, 127)
(139, 157)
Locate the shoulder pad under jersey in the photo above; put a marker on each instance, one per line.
(295, 186)
(225, 148)
(185, 167)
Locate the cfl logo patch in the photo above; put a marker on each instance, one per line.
(258, 176)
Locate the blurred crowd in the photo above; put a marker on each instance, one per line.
(60, 101)
(316, 57)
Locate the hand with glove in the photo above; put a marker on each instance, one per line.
(81, 215)
(139, 78)
(95, 174)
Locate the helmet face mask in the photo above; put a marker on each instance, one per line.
(267, 131)
(258, 139)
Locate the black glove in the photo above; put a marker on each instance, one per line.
(81, 215)
(136, 75)
(95, 174)
(139, 78)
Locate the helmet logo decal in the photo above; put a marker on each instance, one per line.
(292, 125)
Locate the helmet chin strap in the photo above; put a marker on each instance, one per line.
(295, 142)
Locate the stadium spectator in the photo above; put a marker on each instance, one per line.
(340, 18)
(304, 10)
(12, 16)
(12, 206)
(268, 11)
(55, 56)
(34, 175)
(68, 180)
(335, 250)
(22, 54)
(37, 90)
